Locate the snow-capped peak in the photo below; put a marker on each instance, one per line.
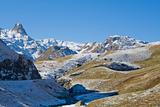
(18, 40)
(18, 28)
(121, 42)
(18, 32)
(115, 42)
(48, 42)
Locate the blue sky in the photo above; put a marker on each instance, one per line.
(83, 20)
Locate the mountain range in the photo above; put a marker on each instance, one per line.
(18, 40)
(118, 72)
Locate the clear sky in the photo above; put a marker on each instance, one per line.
(83, 20)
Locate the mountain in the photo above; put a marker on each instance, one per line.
(72, 45)
(18, 40)
(14, 66)
(115, 42)
(18, 29)
(121, 42)
(53, 42)
(127, 76)
(90, 47)
(55, 52)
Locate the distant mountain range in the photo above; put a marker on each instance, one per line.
(18, 40)
(115, 42)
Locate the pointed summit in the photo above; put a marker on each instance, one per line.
(18, 28)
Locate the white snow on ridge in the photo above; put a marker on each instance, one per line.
(72, 45)
(18, 40)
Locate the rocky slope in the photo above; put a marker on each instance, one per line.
(59, 66)
(115, 42)
(32, 93)
(135, 87)
(122, 68)
(14, 66)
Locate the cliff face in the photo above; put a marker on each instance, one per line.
(14, 66)
(20, 69)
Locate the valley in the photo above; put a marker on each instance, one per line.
(118, 72)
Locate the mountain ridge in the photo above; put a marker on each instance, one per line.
(18, 40)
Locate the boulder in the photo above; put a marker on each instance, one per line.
(122, 66)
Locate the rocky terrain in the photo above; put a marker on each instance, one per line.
(112, 43)
(136, 88)
(119, 72)
(56, 68)
(56, 52)
(14, 66)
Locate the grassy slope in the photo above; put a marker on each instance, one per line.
(136, 82)
(63, 59)
(45, 55)
(59, 59)
(106, 80)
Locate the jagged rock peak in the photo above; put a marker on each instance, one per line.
(119, 37)
(18, 28)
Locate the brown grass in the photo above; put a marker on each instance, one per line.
(63, 59)
(38, 62)
(132, 82)
(152, 100)
(138, 81)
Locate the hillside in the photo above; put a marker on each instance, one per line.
(55, 52)
(130, 75)
(142, 85)
(31, 93)
(121, 71)
(139, 87)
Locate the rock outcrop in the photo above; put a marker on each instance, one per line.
(14, 66)
(122, 66)
(55, 52)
